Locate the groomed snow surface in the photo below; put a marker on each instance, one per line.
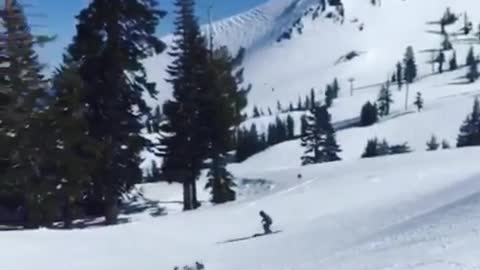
(413, 211)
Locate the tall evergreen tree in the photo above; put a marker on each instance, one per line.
(336, 88)
(329, 96)
(313, 100)
(75, 154)
(290, 128)
(112, 40)
(399, 75)
(249, 143)
(470, 57)
(331, 148)
(318, 138)
(186, 146)
(470, 129)
(220, 116)
(472, 73)
(453, 65)
(410, 72)
(307, 104)
(299, 104)
(384, 101)
(303, 125)
(281, 130)
(23, 157)
(440, 60)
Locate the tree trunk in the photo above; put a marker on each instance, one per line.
(67, 214)
(195, 203)
(216, 189)
(111, 209)
(187, 198)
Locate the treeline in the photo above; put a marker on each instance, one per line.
(251, 141)
(70, 147)
(303, 104)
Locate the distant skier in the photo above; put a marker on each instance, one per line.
(266, 222)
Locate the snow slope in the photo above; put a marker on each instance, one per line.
(446, 107)
(415, 211)
(284, 71)
(308, 60)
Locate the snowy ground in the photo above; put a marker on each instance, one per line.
(415, 211)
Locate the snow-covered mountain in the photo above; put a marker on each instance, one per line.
(309, 59)
(295, 45)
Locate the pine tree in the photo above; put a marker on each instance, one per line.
(299, 104)
(470, 57)
(312, 137)
(419, 101)
(473, 74)
(23, 156)
(281, 130)
(368, 115)
(303, 125)
(470, 129)
(410, 72)
(220, 116)
(279, 107)
(318, 138)
(313, 100)
(375, 148)
(433, 144)
(112, 40)
(75, 154)
(440, 60)
(272, 135)
(399, 75)
(453, 65)
(186, 147)
(270, 111)
(329, 96)
(383, 148)
(336, 88)
(290, 107)
(256, 112)
(331, 148)
(307, 104)
(290, 128)
(249, 143)
(371, 150)
(446, 44)
(384, 101)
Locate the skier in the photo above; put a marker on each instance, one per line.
(266, 222)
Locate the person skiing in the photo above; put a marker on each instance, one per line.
(266, 222)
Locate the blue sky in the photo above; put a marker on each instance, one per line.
(58, 18)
